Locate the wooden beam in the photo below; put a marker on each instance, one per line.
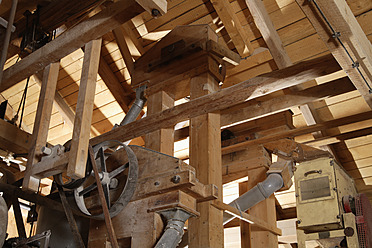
(161, 140)
(205, 157)
(119, 34)
(293, 97)
(84, 110)
(327, 140)
(41, 124)
(245, 91)
(130, 29)
(257, 221)
(299, 131)
(280, 56)
(93, 28)
(233, 27)
(245, 227)
(347, 30)
(35, 198)
(223, 99)
(266, 27)
(121, 95)
(14, 139)
(257, 109)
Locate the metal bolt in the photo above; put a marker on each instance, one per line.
(114, 183)
(299, 221)
(349, 231)
(156, 183)
(355, 65)
(155, 12)
(297, 195)
(46, 150)
(331, 163)
(338, 216)
(176, 179)
(336, 35)
(335, 189)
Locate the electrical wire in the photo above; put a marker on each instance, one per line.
(336, 35)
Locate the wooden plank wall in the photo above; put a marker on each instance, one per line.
(299, 38)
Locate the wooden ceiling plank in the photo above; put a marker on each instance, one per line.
(109, 18)
(245, 91)
(233, 27)
(347, 30)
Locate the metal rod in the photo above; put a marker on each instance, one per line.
(337, 35)
(109, 226)
(18, 217)
(70, 218)
(7, 38)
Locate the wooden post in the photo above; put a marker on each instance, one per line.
(205, 156)
(41, 125)
(8, 32)
(245, 228)
(161, 140)
(84, 110)
(264, 210)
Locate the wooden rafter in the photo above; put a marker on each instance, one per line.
(269, 34)
(233, 27)
(245, 91)
(280, 56)
(347, 30)
(119, 34)
(298, 131)
(121, 95)
(109, 18)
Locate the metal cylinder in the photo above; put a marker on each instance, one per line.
(173, 232)
(257, 194)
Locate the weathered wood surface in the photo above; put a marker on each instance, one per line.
(76, 37)
(245, 91)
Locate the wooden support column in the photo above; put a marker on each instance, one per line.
(161, 140)
(41, 125)
(264, 210)
(245, 227)
(84, 110)
(205, 156)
